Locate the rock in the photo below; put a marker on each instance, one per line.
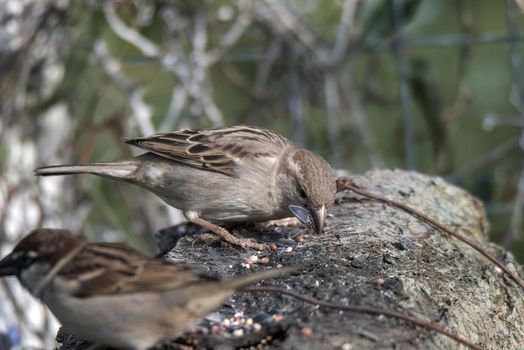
(427, 275)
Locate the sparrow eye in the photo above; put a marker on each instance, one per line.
(302, 193)
(26, 260)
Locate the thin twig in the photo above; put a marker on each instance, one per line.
(365, 309)
(344, 183)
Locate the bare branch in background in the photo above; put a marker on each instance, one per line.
(359, 120)
(244, 20)
(332, 99)
(405, 93)
(296, 105)
(284, 18)
(346, 30)
(142, 113)
(266, 65)
(462, 93)
(176, 105)
(148, 48)
(520, 3)
(201, 89)
(516, 229)
(491, 157)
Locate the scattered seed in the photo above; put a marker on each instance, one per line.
(238, 332)
(215, 329)
(278, 317)
(252, 260)
(307, 331)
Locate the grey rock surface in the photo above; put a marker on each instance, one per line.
(376, 255)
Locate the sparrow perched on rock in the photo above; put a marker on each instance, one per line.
(113, 295)
(225, 175)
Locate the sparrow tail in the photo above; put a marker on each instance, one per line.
(116, 170)
(248, 279)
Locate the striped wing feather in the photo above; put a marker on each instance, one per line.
(219, 150)
(107, 269)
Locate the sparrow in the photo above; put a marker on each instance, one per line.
(113, 295)
(225, 175)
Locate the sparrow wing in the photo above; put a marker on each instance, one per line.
(106, 269)
(219, 150)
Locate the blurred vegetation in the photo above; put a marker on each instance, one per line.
(428, 85)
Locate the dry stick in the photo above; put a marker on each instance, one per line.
(345, 183)
(366, 309)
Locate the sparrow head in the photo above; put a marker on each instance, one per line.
(313, 187)
(43, 247)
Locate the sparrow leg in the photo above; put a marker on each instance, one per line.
(226, 236)
(291, 221)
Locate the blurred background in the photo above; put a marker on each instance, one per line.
(431, 86)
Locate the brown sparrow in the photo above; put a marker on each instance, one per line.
(113, 295)
(225, 175)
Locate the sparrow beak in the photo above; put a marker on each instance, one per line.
(8, 266)
(319, 218)
(305, 216)
(302, 214)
